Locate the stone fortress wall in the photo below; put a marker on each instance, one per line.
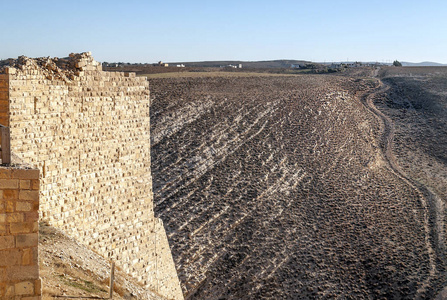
(19, 204)
(88, 132)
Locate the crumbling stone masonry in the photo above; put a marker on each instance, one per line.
(19, 204)
(88, 133)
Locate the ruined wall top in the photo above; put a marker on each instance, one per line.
(88, 131)
(65, 68)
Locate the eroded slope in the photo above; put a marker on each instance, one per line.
(276, 188)
(70, 270)
(416, 101)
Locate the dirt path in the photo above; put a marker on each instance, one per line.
(426, 196)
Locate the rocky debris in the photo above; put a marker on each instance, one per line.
(70, 269)
(62, 68)
(277, 188)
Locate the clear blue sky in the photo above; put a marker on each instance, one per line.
(148, 31)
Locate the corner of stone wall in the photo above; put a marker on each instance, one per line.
(19, 235)
(167, 280)
(39, 94)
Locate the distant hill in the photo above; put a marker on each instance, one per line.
(283, 63)
(422, 64)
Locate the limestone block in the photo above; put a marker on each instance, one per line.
(29, 257)
(15, 218)
(9, 292)
(7, 242)
(16, 273)
(27, 240)
(25, 184)
(9, 257)
(10, 194)
(29, 195)
(9, 183)
(26, 173)
(16, 228)
(24, 206)
(24, 288)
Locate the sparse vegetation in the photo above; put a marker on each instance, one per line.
(81, 284)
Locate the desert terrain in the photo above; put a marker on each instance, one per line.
(298, 187)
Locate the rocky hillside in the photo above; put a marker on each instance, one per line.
(70, 270)
(278, 188)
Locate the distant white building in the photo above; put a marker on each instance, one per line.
(239, 66)
(335, 66)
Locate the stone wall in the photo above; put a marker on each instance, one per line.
(4, 98)
(88, 132)
(19, 204)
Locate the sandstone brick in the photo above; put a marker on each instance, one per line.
(38, 286)
(21, 227)
(9, 184)
(7, 242)
(15, 217)
(2, 218)
(4, 105)
(10, 194)
(31, 216)
(25, 184)
(26, 173)
(10, 206)
(35, 227)
(24, 206)
(28, 195)
(10, 257)
(27, 257)
(24, 288)
(3, 277)
(35, 184)
(27, 240)
(9, 292)
(5, 173)
(32, 297)
(16, 273)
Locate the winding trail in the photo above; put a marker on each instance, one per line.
(426, 196)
